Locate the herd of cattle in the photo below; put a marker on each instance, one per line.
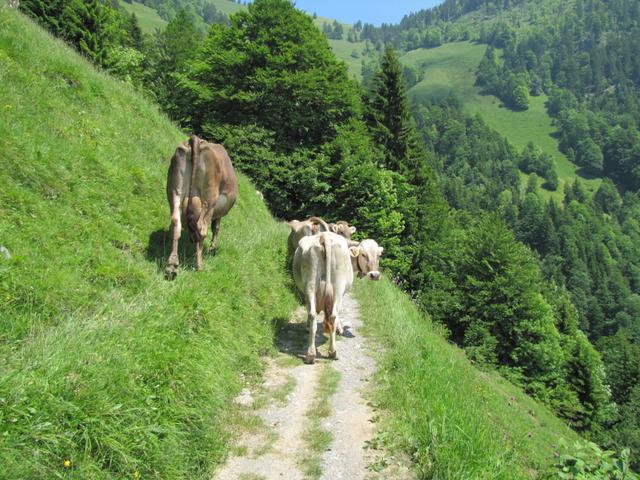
(201, 189)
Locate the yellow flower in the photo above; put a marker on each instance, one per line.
(67, 463)
(136, 474)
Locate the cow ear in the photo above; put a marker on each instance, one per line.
(352, 229)
(333, 227)
(354, 251)
(380, 249)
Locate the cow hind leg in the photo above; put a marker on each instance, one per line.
(332, 340)
(175, 229)
(312, 326)
(215, 228)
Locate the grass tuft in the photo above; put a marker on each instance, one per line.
(317, 438)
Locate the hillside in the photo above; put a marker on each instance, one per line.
(109, 366)
(471, 424)
(148, 18)
(105, 363)
(450, 69)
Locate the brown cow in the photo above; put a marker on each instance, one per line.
(201, 189)
(299, 229)
(343, 229)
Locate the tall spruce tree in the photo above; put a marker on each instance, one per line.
(393, 129)
(387, 112)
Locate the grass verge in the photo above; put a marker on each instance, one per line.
(454, 421)
(316, 437)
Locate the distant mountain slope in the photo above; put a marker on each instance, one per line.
(148, 17)
(450, 69)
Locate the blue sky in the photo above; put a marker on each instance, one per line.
(369, 11)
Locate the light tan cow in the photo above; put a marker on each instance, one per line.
(342, 228)
(322, 272)
(299, 229)
(365, 258)
(201, 189)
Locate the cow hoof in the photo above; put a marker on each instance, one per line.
(333, 355)
(171, 272)
(310, 359)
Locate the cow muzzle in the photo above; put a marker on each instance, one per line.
(375, 275)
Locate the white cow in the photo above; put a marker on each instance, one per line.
(323, 268)
(365, 257)
(322, 272)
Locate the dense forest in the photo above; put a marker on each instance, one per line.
(580, 54)
(525, 285)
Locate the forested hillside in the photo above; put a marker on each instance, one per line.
(521, 283)
(580, 55)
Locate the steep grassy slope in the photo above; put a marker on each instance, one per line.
(451, 68)
(102, 361)
(344, 51)
(454, 421)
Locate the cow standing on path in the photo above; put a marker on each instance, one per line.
(322, 271)
(201, 188)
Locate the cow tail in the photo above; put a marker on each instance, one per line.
(328, 297)
(192, 218)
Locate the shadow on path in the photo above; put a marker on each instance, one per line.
(291, 335)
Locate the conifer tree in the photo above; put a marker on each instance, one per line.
(388, 113)
(88, 25)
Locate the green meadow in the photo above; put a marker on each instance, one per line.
(103, 363)
(148, 17)
(450, 69)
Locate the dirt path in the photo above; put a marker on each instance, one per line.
(290, 416)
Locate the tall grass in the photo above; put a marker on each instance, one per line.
(454, 421)
(103, 362)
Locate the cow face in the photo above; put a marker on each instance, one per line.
(365, 257)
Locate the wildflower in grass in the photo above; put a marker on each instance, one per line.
(67, 463)
(136, 475)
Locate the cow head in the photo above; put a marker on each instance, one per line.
(365, 257)
(343, 229)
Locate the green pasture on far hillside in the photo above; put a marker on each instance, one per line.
(148, 17)
(450, 69)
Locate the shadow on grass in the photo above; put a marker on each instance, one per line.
(587, 174)
(159, 248)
